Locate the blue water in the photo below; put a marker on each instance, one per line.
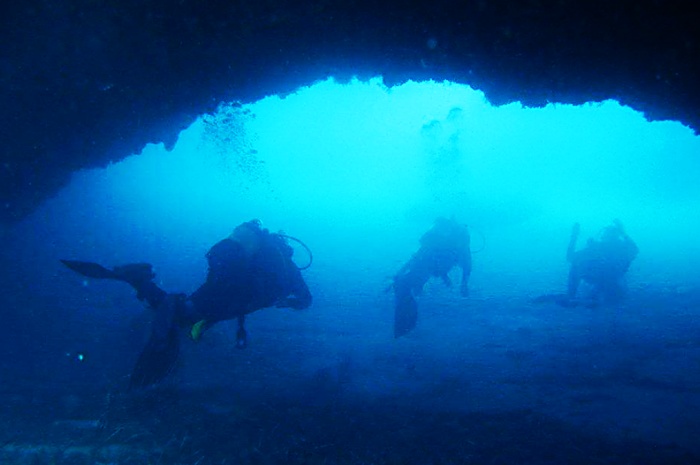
(359, 172)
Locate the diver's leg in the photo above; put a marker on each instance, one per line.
(166, 316)
(140, 277)
(573, 282)
(406, 307)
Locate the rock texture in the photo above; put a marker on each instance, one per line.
(86, 82)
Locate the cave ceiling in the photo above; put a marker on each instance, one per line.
(84, 83)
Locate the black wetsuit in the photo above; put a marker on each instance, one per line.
(241, 279)
(443, 247)
(236, 285)
(602, 264)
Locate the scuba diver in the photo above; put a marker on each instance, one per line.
(250, 270)
(601, 264)
(443, 247)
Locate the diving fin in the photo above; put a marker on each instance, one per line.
(157, 360)
(89, 269)
(198, 329)
(135, 274)
(405, 315)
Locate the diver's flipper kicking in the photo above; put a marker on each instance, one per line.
(405, 315)
(89, 269)
(249, 270)
(156, 361)
(138, 275)
(159, 357)
(406, 307)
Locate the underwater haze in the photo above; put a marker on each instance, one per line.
(359, 172)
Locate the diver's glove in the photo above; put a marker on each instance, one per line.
(620, 228)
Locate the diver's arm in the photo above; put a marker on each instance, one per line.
(631, 248)
(626, 238)
(446, 280)
(299, 296)
(410, 263)
(403, 269)
(634, 249)
(631, 245)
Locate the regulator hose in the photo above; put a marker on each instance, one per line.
(301, 243)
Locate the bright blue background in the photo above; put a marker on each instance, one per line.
(359, 172)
